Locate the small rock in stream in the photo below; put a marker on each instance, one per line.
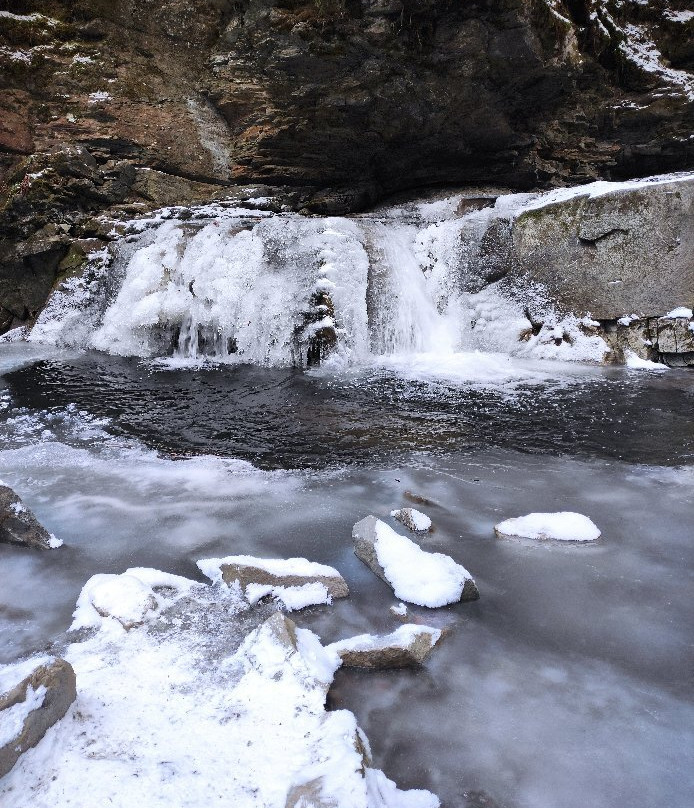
(406, 647)
(413, 519)
(18, 525)
(426, 579)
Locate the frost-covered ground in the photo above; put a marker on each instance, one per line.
(180, 709)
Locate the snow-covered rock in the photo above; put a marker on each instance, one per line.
(128, 599)
(412, 519)
(274, 572)
(562, 526)
(201, 705)
(34, 694)
(409, 645)
(18, 525)
(426, 579)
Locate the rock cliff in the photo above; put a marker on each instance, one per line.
(121, 106)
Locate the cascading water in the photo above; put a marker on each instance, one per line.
(286, 290)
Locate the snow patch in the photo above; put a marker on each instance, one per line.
(561, 526)
(680, 311)
(634, 361)
(292, 598)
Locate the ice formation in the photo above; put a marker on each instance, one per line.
(242, 286)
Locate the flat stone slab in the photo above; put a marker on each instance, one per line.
(406, 647)
(426, 579)
(279, 572)
(34, 695)
(18, 525)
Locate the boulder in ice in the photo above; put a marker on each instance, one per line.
(426, 579)
(409, 646)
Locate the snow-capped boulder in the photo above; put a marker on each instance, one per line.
(413, 519)
(563, 526)
(406, 647)
(274, 572)
(18, 525)
(129, 599)
(33, 695)
(612, 235)
(426, 579)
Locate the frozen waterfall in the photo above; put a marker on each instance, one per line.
(239, 285)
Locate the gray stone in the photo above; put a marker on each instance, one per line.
(674, 335)
(248, 574)
(628, 251)
(411, 518)
(58, 677)
(407, 647)
(18, 525)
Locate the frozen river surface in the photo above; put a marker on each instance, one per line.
(568, 684)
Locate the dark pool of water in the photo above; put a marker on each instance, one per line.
(289, 419)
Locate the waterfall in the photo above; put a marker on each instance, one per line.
(235, 285)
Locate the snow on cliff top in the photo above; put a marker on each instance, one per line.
(600, 188)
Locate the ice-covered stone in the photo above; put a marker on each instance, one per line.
(408, 646)
(426, 579)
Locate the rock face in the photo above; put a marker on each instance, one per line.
(428, 579)
(121, 107)
(409, 646)
(620, 256)
(18, 525)
(31, 706)
(627, 251)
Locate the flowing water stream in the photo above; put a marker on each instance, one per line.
(161, 413)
